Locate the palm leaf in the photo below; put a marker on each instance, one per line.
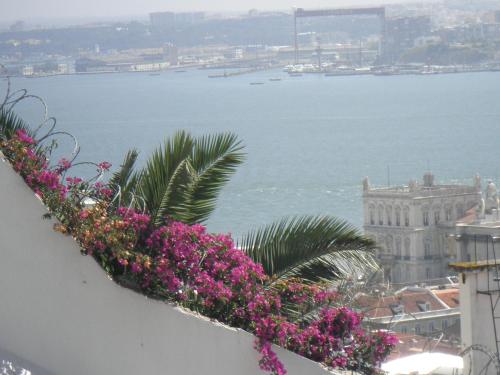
(124, 181)
(214, 160)
(155, 185)
(175, 195)
(315, 248)
(10, 123)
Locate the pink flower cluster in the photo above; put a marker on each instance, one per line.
(202, 271)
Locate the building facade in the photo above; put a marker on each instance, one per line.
(411, 225)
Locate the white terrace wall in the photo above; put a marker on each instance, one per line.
(59, 310)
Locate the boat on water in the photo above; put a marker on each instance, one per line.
(274, 79)
(295, 74)
(256, 83)
(180, 71)
(224, 75)
(154, 74)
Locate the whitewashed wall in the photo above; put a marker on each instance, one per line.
(476, 320)
(59, 310)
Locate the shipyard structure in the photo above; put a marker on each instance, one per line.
(414, 225)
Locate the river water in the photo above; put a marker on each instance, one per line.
(309, 140)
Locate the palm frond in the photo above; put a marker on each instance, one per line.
(174, 199)
(124, 180)
(156, 177)
(10, 123)
(314, 248)
(214, 160)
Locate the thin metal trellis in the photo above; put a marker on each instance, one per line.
(492, 359)
(13, 98)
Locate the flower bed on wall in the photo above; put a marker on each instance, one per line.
(197, 270)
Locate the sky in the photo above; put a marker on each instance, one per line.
(12, 10)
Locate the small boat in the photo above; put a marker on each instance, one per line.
(256, 83)
(274, 79)
(180, 71)
(154, 74)
(295, 74)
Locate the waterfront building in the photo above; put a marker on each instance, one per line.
(28, 70)
(411, 225)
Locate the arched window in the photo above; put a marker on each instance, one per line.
(398, 216)
(425, 216)
(371, 211)
(406, 214)
(380, 215)
(437, 217)
(388, 212)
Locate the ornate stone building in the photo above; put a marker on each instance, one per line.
(411, 225)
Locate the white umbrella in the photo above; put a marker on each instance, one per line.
(425, 363)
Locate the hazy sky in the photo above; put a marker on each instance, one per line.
(11, 10)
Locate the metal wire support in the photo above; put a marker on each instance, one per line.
(45, 131)
(492, 359)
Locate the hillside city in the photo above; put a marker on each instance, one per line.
(420, 38)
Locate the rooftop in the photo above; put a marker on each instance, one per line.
(408, 301)
(428, 188)
(449, 296)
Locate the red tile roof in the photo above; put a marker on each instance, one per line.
(412, 302)
(449, 296)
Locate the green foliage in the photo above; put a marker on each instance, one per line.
(10, 124)
(123, 182)
(315, 248)
(182, 179)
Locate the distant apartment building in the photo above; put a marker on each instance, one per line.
(28, 70)
(400, 35)
(149, 67)
(188, 18)
(411, 225)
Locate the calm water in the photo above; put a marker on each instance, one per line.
(309, 140)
